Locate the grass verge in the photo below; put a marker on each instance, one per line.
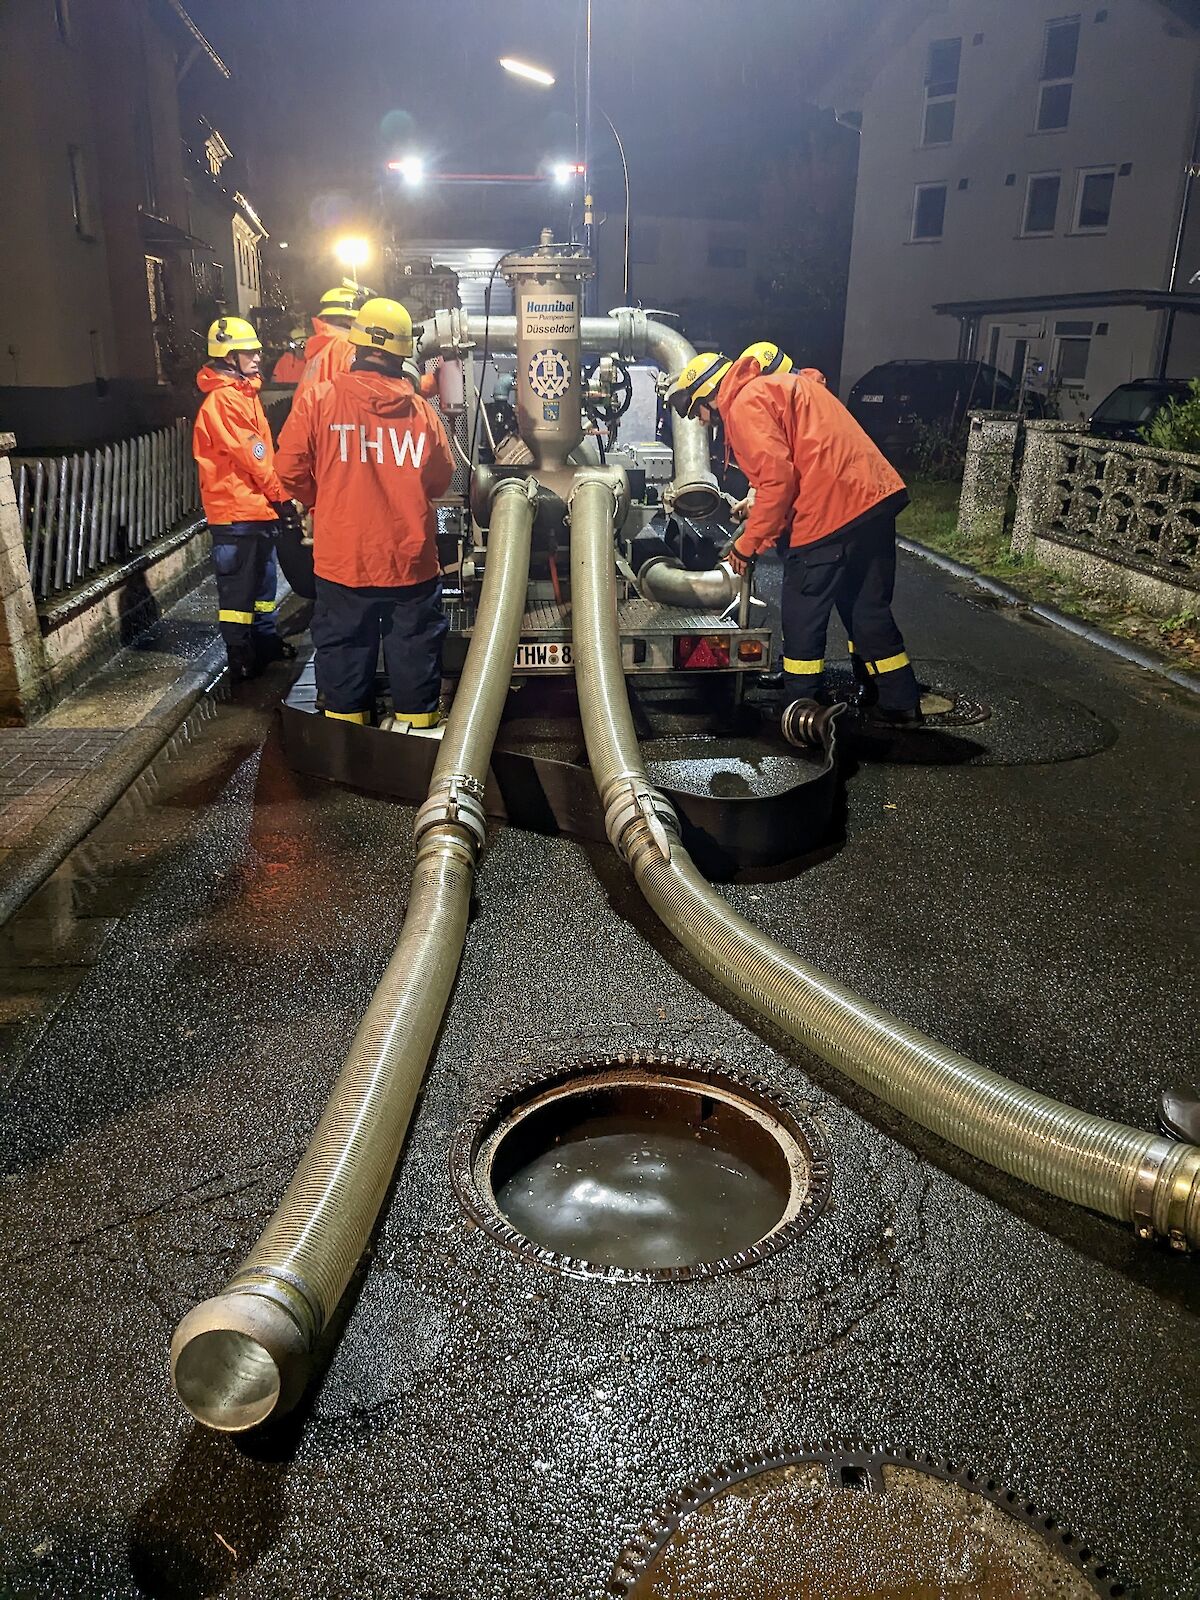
(932, 519)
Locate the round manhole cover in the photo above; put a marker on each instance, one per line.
(641, 1167)
(854, 1527)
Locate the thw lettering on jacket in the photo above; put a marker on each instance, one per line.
(404, 448)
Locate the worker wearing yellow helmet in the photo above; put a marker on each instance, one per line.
(827, 499)
(328, 350)
(244, 501)
(289, 368)
(370, 456)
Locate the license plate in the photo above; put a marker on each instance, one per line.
(872, 399)
(542, 657)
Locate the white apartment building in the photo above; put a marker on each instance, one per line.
(1024, 190)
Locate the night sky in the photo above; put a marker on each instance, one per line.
(704, 92)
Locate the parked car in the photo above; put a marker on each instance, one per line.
(1132, 406)
(894, 400)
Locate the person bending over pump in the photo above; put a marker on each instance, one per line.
(370, 456)
(244, 501)
(826, 497)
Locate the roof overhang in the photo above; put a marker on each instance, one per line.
(1088, 300)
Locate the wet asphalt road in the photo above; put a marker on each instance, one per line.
(179, 996)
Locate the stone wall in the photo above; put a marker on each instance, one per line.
(24, 686)
(85, 627)
(1119, 519)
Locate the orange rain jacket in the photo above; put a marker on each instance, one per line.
(370, 456)
(289, 368)
(813, 468)
(327, 353)
(232, 446)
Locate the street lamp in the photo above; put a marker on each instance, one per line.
(352, 252)
(526, 69)
(545, 79)
(411, 169)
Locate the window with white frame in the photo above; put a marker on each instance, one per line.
(941, 91)
(1041, 205)
(1060, 55)
(929, 211)
(1072, 347)
(1094, 199)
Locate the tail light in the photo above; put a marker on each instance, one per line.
(750, 650)
(697, 651)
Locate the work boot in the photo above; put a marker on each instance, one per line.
(244, 663)
(882, 719)
(269, 647)
(1179, 1112)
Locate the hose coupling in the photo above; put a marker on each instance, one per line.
(1165, 1195)
(632, 800)
(697, 498)
(804, 723)
(614, 479)
(633, 329)
(456, 799)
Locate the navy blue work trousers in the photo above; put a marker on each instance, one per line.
(349, 626)
(243, 556)
(854, 570)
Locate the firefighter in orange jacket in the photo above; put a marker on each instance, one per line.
(370, 455)
(244, 501)
(289, 368)
(829, 500)
(328, 351)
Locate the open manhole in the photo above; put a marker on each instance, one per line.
(854, 1526)
(641, 1167)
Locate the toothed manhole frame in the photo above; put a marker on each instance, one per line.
(800, 1142)
(850, 1467)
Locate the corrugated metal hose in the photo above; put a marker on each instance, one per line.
(245, 1354)
(1124, 1172)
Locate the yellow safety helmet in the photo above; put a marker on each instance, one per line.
(698, 381)
(340, 302)
(383, 325)
(769, 357)
(228, 334)
(298, 334)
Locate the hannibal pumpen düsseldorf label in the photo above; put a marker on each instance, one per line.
(546, 316)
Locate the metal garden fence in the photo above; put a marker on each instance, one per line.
(84, 511)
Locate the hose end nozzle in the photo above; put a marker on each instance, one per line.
(238, 1359)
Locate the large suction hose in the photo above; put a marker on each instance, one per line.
(245, 1354)
(1121, 1171)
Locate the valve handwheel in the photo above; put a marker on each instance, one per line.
(607, 408)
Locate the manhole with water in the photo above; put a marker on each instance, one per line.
(642, 1168)
(852, 1525)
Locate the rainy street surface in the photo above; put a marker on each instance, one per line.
(175, 1002)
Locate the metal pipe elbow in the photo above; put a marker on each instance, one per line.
(668, 581)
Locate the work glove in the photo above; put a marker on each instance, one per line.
(289, 517)
(739, 560)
